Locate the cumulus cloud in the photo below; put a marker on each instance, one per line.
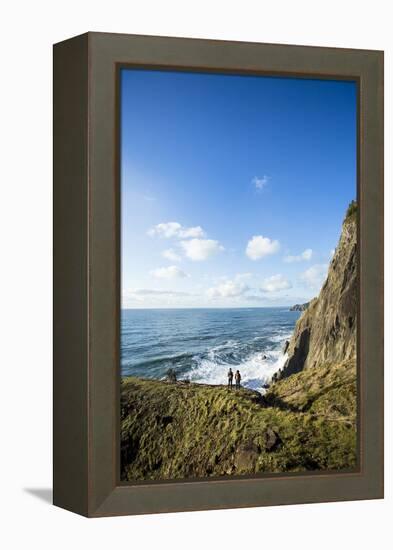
(260, 183)
(315, 276)
(146, 297)
(200, 249)
(260, 246)
(171, 255)
(228, 289)
(304, 256)
(170, 230)
(243, 276)
(275, 283)
(170, 272)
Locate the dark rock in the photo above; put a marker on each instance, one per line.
(296, 361)
(246, 456)
(157, 465)
(257, 398)
(167, 420)
(171, 375)
(272, 440)
(164, 420)
(129, 449)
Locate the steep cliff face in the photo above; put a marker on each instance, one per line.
(326, 331)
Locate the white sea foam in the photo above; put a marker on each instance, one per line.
(281, 336)
(256, 369)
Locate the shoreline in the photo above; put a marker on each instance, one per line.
(188, 383)
(256, 366)
(202, 345)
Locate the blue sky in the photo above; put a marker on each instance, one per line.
(234, 188)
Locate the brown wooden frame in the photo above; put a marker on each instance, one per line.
(87, 274)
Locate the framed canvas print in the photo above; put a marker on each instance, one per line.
(218, 274)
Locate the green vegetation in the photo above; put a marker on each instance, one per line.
(351, 211)
(177, 430)
(329, 390)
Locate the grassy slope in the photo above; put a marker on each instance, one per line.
(187, 430)
(329, 390)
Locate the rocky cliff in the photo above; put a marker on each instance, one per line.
(326, 331)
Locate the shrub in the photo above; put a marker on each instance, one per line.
(352, 209)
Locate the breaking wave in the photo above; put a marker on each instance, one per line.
(201, 346)
(256, 368)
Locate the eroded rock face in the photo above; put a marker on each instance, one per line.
(272, 440)
(246, 456)
(326, 331)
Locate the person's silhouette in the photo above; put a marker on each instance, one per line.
(237, 379)
(230, 378)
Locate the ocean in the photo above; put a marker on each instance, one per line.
(201, 344)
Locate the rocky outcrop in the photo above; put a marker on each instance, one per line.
(326, 331)
(299, 307)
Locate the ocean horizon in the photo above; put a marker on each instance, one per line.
(215, 307)
(200, 344)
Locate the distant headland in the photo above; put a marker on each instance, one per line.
(299, 307)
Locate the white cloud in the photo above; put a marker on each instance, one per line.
(243, 276)
(200, 249)
(145, 297)
(191, 232)
(304, 256)
(171, 230)
(171, 255)
(275, 283)
(227, 289)
(153, 292)
(260, 246)
(333, 250)
(171, 272)
(260, 183)
(315, 276)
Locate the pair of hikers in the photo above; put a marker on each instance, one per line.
(237, 379)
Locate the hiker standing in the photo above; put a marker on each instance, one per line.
(230, 378)
(237, 379)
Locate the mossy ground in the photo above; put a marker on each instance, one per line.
(177, 430)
